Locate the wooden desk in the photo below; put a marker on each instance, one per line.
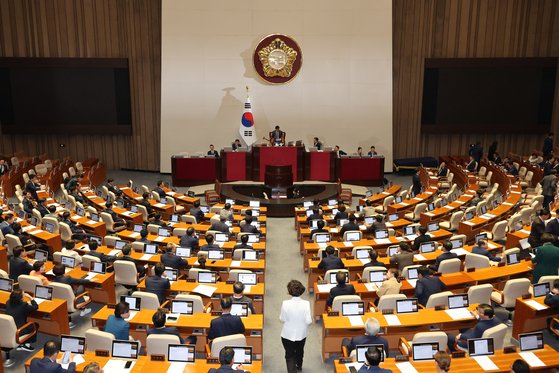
(378, 198)
(441, 212)
(361, 171)
(4, 258)
(410, 203)
(235, 165)
(97, 228)
(548, 355)
(277, 156)
(529, 319)
(102, 287)
(52, 316)
(197, 324)
(187, 171)
(320, 165)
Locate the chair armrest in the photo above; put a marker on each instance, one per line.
(404, 346)
(83, 304)
(420, 306)
(344, 351)
(359, 276)
(554, 326)
(208, 350)
(372, 307)
(165, 304)
(208, 307)
(18, 332)
(320, 278)
(500, 292)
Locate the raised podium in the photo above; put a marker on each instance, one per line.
(278, 176)
(263, 156)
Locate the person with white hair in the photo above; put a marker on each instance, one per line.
(372, 328)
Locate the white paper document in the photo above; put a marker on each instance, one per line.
(348, 244)
(36, 231)
(132, 314)
(91, 222)
(159, 238)
(392, 320)
(235, 263)
(334, 230)
(524, 231)
(371, 286)
(117, 366)
(382, 241)
(468, 223)
(146, 257)
(176, 367)
(412, 283)
(404, 203)
(364, 261)
(406, 367)
(114, 252)
(357, 366)
(322, 245)
(419, 257)
(135, 235)
(534, 304)
(39, 300)
(459, 313)
(90, 276)
(205, 290)
(355, 320)
(531, 359)
(160, 205)
(485, 363)
(459, 252)
(362, 227)
(325, 288)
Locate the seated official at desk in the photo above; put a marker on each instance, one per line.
(317, 144)
(156, 284)
(316, 214)
(403, 257)
(248, 227)
(118, 223)
(144, 233)
(377, 224)
(331, 261)
(24, 238)
(421, 238)
(226, 359)
(111, 185)
(117, 324)
(159, 319)
(77, 232)
(7, 223)
(236, 145)
(372, 328)
(427, 285)
(209, 243)
(42, 207)
(145, 202)
(126, 250)
(190, 239)
(227, 212)
(319, 228)
(486, 321)
(238, 297)
(197, 212)
(68, 250)
(28, 203)
(391, 285)
(157, 220)
(342, 213)
(277, 136)
(472, 164)
(368, 210)
(120, 201)
(92, 245)
(220, 225)
(372, 151)
(374, 260)
(341, 288)
(552, 299)
(372, 360)
(159, 189)
(443, 170)
(212, 152)
(481, 249)
(19, 306)
(33, 186)
(447, 254)
(338, 151)
(349, 226)
(169, 259)
(244, 243)
(226, 324)
(18, 264)
(49, 363)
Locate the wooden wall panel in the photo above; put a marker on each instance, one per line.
(93, 28)
(464, 28)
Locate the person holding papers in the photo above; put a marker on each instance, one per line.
(226, 324)
(342, 288)
(18, 264)
(220, 225)
(372, 360)
(391, 285)
(296, 317)
(49, 362)
(447, 254)
(169, 259)
(546, 259)
(319, 228)
(190, 239)
(349, 226)
(427, 285)
(372, 328)
(486, 321)
(226, 359)
(331, 261)
(421, 238)
(404, 256)
(116, 324)
(481, 249)
(19, 310)
(238, 296)
(157, 284)
(159, 319)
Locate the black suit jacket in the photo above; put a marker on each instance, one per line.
(552, 301)
(416, 181)
(20, 310)
(538, 228)
(147, 205)
(43, 210)
(220, 227)
(553, 227)
(45, 365)
(443, 256)
(341, 215)
(367, 340)
(197, 213)
(344, 289)
(172, 330)
(189, 241)
(349, 227)
(419, 240)
(28, 206)
(427, 286)
(19, 266)
(225, 369)
(173, 261)
(160, 191)
(226, 324)
(331, 262)
(249, 228)
(157, 285)
(32, 188)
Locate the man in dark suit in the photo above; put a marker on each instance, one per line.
(423, 237)
(3, 167)
(549, 188)
(372, 328)
(377, 225)
(18, 265)
(486, 321)
(404, 257)
(119, 223)
(342, 288)
(210, 245)
(319, 228)
(236, 145)
(92, 245)
(213, 152)
(110, 184)
(226, 324)
(317, 144)
(481, 249)
(6, 227)
(159, 189)
(552, 299)
(42, 207)
(547, 148)
(443, 170)
(190, 239)
(33, 186)
(374, 260)
(338, 151)
(157, 284)
(538, 227)
(197, 212)
(277, 136)
(248, 227)
(316, 215)
(226, 359)
(349, 226)
(342, 213)
(331, 261)
(157, 220)
(447, 246)
(471, 165)
(159, 319)
(220, 225)
(27, 203)
(244, 243)
(49, 362)
(372, 360)
(553, 228)
(144, 233)
(169, 259)
(77, 284)
(126, 250)
(372, 151)
(416, 183)
(427, 285)
(145, 202)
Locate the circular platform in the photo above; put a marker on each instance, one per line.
(279, 207)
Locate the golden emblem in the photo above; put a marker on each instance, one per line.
(277, 59)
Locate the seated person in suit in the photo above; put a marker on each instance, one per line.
(421, 238)
(77, 284)
(209, 243)
(68, 250)
(359, 152)
(277, 136)
(77, 232)
(39, 272)
(50, 363)
(416, 183)
(169, 259)
(350, 226)
(159, 189)
(372, 328)
(190, 239)
(220, 225)
(377, 224)
(24, 238)
(317, 144)
(331, 261)
(477, 198)
(111, 185)
(447, 254)
(144, 233)
(238, 296)
(157, 284)
(33, 186)
(374, 260)
(443, 170)
(18, 264)
(404, 256)
(197, 212)
(316, 214)
(126, 250)
(157, 220)
(319, 228)
(248, 227)
(372, 361)
(341, 288)
(372, 151)
(472, 165)
(486, 321)
(520, 366)
(552, 299)
(119, 223)
(537, 228)
(27, 202)
(236, 145)
(226, 359)
(6, 226)
(226, 212)
(92, 245)
(120, 201)
(19, 306)
(145, 202)
(226, 324)
(342, 213)
(427, 285)
(159, 319)
(244, 243)
(42, 207)
(391, 284)
(52, 212)
(213, 152)
(116, 324)
(4, 168)
(369, 209)
(338, 151)
(481, 249)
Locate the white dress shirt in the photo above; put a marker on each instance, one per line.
(296, 318)
(73, 254)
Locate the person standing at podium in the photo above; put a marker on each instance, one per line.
(317, 144)
(277, 136)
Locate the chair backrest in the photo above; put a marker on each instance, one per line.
(482, 171)
(27, 283)
(479, 207)
(432, 337)
(108, 220)
(421, 207)
(87, 259)
(193, 272)
(478, 294)
(65, 231)
(214, 219)
(438, 299)
(4, 274)
(455, 219)
(197, 303)
(328, 273)
(522, 171)
(367, 270)
(142, 210)
(65, 292)
(98, 340)
(460, 237)
(498, 334)
(476, 261)
(153, 228)
(537, 202)
(526, 215)
(54, 223)
(155, 195)
(513, 289)
(110, 240)
(499, 231)
(234, 274)
(548, 279)
(352, 232)
(388, 301)
(230, 340)
(149, 301)
(338, 301)
(388, 201)
(513, 222)
(406, 269)
(158, 344)
(8, 335)
(179, 232)
(450, 266)
(529, 176)
(38, 215)
(125, 273)
(188, 219)
(12, 241)
(513, 250)
(145, 189)
(91, 210)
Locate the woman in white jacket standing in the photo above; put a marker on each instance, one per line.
(296, 318)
